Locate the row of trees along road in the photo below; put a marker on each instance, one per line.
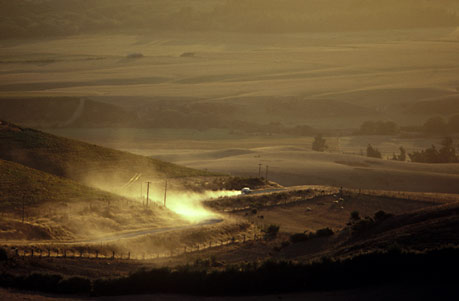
(445, 154)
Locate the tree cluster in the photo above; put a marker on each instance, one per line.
(445, 154)
(373, 152)
(319, 144)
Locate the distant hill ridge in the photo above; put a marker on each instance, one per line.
(46, 112)
(32, 19)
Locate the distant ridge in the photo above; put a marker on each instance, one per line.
(55, 112)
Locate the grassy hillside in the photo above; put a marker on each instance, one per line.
(35, 205)
(86, 163)
(20, 184)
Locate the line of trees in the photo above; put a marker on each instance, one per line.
(445, 154)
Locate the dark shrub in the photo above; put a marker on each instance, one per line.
(363, 225)
(3, 255)
(298, 237)
(75, 285)
(40, 282)
(324, 232)
(355, 215)
(373, 152)
(271, 231)
(381, 216)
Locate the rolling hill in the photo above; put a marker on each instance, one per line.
(45, 112)
(39, 206)
(53, 18)
(85, 163)
(290, 166)
(20, 184)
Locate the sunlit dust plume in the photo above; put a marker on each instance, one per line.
(188, 204)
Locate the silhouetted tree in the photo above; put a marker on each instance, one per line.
(402, 156)
(355, 215)
(373, 152)
(319, 144)
(447, 153)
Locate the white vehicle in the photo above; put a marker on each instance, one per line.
(246, 190)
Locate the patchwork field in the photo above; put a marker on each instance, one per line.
(325, 80)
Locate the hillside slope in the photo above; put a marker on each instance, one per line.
(35, 205)
(20, 184)
(430, 227)
(85, 163)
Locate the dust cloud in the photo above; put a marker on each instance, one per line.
(153, 193)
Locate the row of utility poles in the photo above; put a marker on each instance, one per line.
(148, 192)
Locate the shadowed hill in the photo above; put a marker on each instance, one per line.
(430, 227)
(19, 184)
(86, 163)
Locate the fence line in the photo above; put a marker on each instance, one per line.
(55, 253)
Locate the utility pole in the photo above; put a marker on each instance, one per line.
(259, 170)
(23, 208)
(267, 167)
(148, 192)
(165, 193)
